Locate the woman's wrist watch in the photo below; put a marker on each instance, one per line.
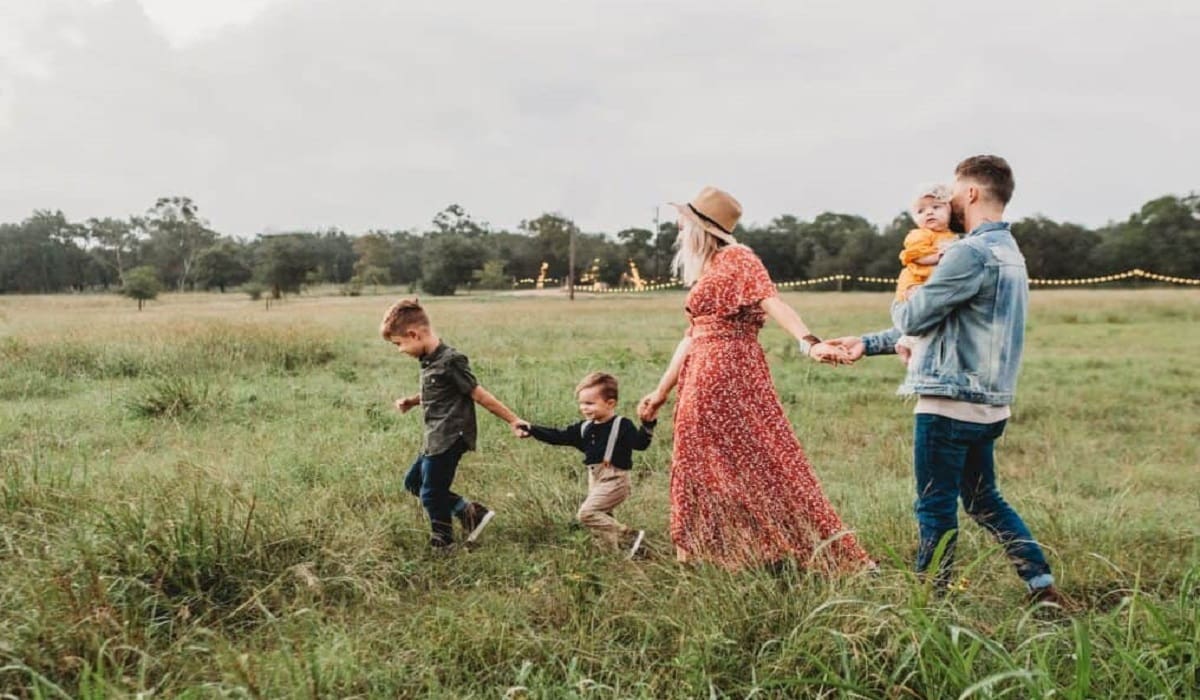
(807, 342)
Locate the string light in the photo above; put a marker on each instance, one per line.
(794, 284)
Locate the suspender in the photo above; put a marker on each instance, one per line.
(612, 440)
(612, 437)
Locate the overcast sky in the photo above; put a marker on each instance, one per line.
(279, 114)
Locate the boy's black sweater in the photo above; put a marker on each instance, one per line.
(592, 439)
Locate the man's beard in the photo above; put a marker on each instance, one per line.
(957, 225)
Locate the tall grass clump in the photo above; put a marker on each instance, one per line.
(196, 348)
(171, 397)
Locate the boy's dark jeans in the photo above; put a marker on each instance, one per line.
(429, 479)
(954, 458)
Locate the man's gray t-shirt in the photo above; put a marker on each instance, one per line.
(446, 386)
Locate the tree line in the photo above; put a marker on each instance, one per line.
(172, 246)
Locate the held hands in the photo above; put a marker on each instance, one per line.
(520, 428)
(648, 407)
(827, 353)
(852, 345)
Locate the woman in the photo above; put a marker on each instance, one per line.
(742, 491)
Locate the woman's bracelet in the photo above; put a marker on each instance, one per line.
(807, 342)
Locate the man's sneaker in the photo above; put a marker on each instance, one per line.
(474, 518)
(637, 545)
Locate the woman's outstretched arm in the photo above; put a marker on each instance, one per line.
(787, 317)
(650, 403)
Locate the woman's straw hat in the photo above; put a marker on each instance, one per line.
(717, 211)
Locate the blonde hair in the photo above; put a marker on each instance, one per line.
(935, 191)
(404, 314)
(693, 247)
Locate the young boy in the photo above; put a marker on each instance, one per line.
(607, 442)
(449, 392)
(923, 248)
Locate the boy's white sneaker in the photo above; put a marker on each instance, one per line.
(637, 544)
(475, 518)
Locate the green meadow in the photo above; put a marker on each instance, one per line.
(204, 499)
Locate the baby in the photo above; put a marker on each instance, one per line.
(923, 248)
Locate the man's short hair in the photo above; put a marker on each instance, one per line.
(606, 382)
(992, 173)
(404, 314)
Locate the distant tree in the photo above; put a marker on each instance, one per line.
(593, 247)
(283, 262)
(887, 264)
(454, 219)
(36, 255)
(405, 265)
(374, 276)
(552, 237)
(375, 253)
(778, 246)
(177, 235)
(1055, 250)
(825, 239)
(1164, 236)
(636, 241)
(222, 265)
(141, 283)
(448, 261)
(520, 253)
(335, 255)
(492, 276)
(115, 243)
(637, 245)
(664, 251)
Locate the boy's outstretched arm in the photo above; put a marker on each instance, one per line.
(643, 435)
(570, 436)
(484, 398)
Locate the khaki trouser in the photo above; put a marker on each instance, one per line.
(608, 487)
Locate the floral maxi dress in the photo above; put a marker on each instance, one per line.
(742, 491)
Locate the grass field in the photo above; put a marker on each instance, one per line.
(204, 499)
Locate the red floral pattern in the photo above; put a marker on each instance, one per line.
(742, 491)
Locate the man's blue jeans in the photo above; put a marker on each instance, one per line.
(954, 458)
(429, 479)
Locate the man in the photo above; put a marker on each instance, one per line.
(973, 307)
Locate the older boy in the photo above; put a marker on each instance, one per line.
(449, 392)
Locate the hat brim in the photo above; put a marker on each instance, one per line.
(713, 231)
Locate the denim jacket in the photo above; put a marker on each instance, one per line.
(974, 306)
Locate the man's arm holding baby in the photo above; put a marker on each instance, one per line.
(956, 279)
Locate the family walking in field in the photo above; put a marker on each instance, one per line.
(743, 493)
